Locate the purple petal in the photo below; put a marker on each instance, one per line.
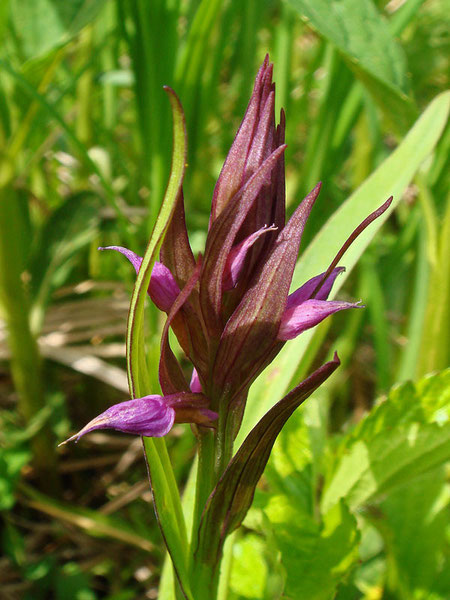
(134, 258)
(195, 384)
(304, 292)
(236, 258)
(163, 288)
(308, 314)
(151, 416)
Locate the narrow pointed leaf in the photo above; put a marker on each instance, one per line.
(233, 495)
(165, 493)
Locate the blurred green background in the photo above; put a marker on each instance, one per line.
(85, 147)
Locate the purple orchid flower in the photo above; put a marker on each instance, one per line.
(151, 416)
(231, 311)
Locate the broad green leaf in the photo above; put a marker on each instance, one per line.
(412, 521)
(390, 178)
(249, 569)
(435, 336)
(364, 39)
(164, 487)
(400, 440)
(41, 25)
(316, 556)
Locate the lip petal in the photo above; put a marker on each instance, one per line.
(163, 288)
(308, 314)
(195, 385)
(150, 416)
(304, 292)
(237, 255)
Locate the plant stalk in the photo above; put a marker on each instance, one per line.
(26, 365)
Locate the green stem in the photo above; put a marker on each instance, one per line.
(214, 456)
(224, 439)
(83, 129)
(26, 365)
(205, 478)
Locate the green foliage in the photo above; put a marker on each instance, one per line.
(12, 460)
(357, 29)
(397, 442)
(316, 556)
(42, 25)
(388, 472)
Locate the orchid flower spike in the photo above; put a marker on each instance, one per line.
(231, 310)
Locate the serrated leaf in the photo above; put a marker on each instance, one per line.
(249, 569)
(397, 442)
(316, 556)
(415, 552)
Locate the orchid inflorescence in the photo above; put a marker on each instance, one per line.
(232, 312)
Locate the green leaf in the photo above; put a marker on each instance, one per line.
(249, 569)
(316, 556)
(42, 25)
(12, 460)
(364, 39)
(164, 487)
(435, 336)
(391, 178)
(415, 553)
(403, 438)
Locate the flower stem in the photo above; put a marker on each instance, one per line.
(224, 440)
(215, 452)
(205, 477)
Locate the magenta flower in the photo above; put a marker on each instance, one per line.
(152, 416)
(231, 311)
